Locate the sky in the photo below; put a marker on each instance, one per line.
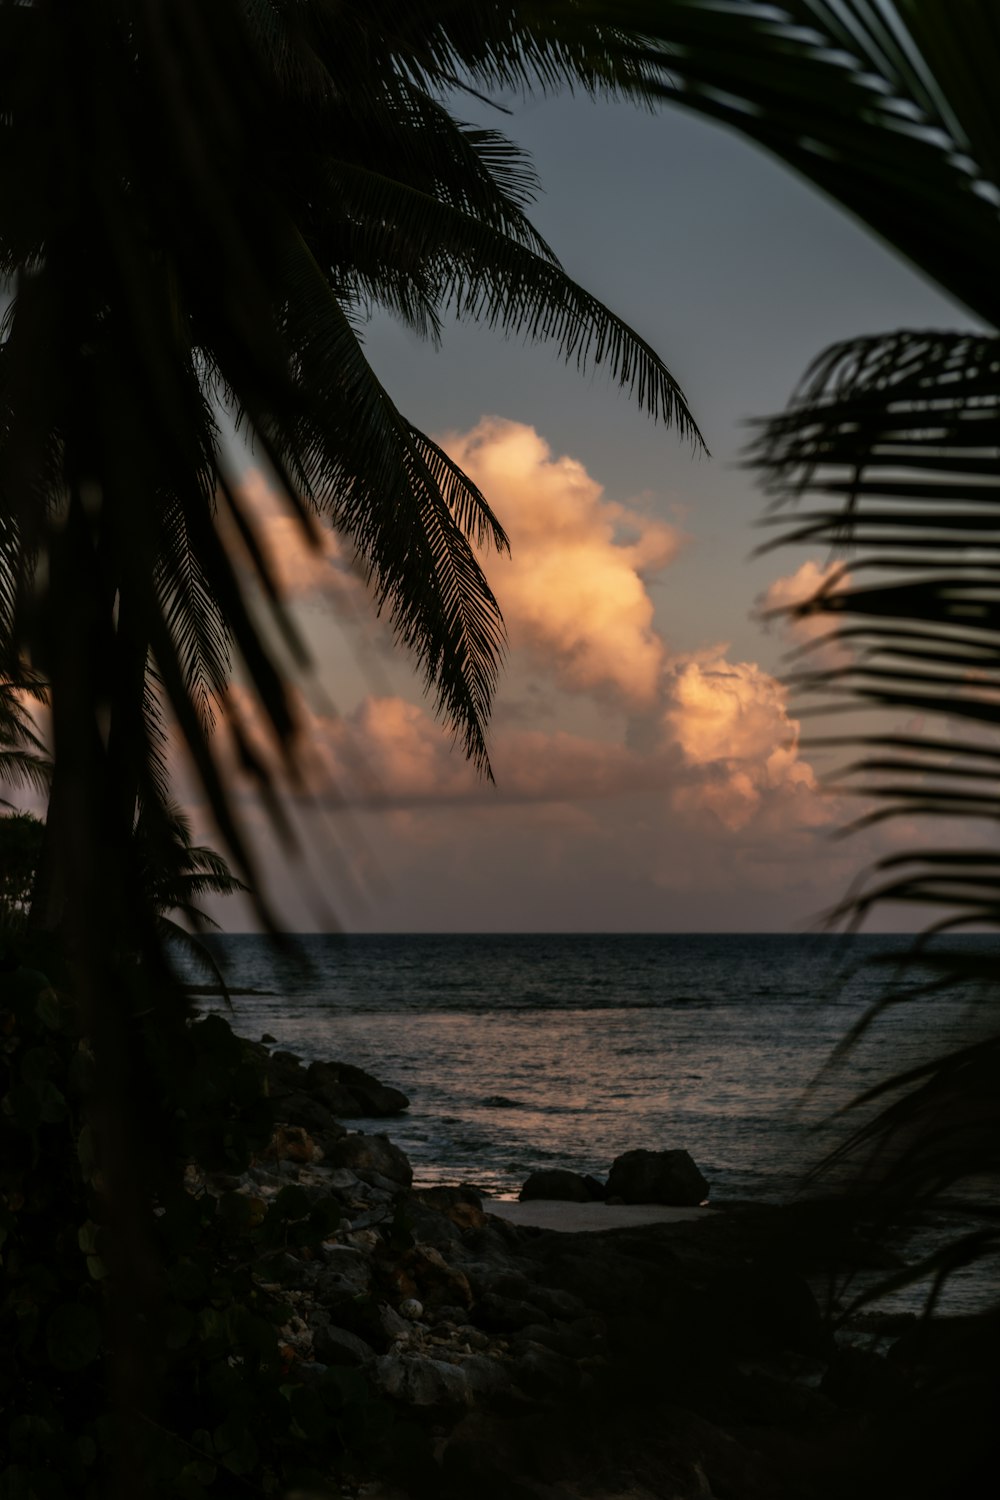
(650, 774)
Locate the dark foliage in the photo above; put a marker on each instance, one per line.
(212, 1405)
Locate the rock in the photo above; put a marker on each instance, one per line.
(288, 1270)
(505, 1314)
(426, 1271)
(411, 1309)
(338, 1346)
(484, 1376)
(292, 1143)
(541, 1372)
(597, 1189)
(556, 1303)
(352, 1093)
(385, 1186)
(344, 1270)
(556, 1183)
(669, 1177)
(460, 1205)
(342, 1179)
(507, 1280)
(419, 1381)
(372, 1153)
(392, 1325)
(298, 1108)
(565, 1341)
(443, 1317)
(285, 1074)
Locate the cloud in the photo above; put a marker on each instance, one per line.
(731, 722)
(573, 592)
(804, 630)
(726, 751)
(706, 792)
(390, 752)
(301, 567)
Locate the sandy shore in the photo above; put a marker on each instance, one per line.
(544, 1213)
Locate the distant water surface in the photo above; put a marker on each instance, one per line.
(520, 1052)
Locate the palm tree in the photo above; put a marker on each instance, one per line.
(20, 844)
(23, 756)
(177, 874)
(198, 203)
(197, 206)
(200, 226)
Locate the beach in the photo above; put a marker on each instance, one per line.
(590, 1218)
(520, 1053)
(571, 1350)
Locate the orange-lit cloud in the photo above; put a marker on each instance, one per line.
(731, 722)
(573, 591)
(704, 787)
(812, 630)
(300, 567)
(390, 752)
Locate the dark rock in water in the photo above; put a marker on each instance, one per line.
(352, 1093)
(597, 1189)
(500, 1101)
(669, 1177)
(284, 1073)
(372, 1153)
(556, 1183)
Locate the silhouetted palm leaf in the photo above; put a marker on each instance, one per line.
(887, 108)
(23, 755)
(171, 231)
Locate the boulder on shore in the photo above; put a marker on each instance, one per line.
(351, 1093)
(668, 1177)
(336, 1090)
(556, 1183)
(365, 1154)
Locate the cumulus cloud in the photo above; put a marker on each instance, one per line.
(390, 752)
(726, 750)
(573, 591)
(709, 787)
(813, 629)
(731, 722)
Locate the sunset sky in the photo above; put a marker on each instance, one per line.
(648, 772)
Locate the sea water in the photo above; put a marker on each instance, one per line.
(522, 1052)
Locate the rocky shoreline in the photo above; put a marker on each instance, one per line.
(678, 1361)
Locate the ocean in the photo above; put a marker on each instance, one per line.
(520, 1052)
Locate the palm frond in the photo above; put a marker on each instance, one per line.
(402, 503)
(500, 282)
(858, 98)
(894, 441)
